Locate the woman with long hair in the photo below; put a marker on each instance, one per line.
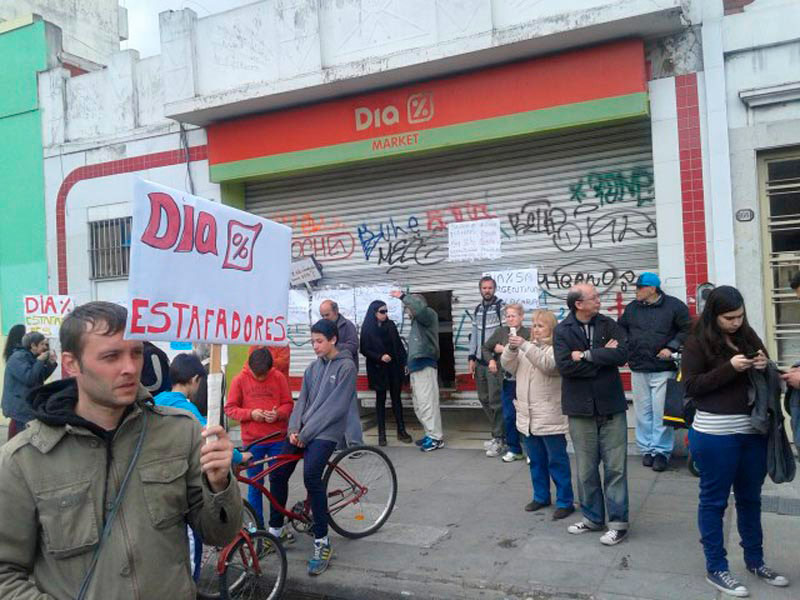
(14, 340)
(386, 365)
(717, 356)
(539, 418)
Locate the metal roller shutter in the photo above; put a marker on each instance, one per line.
(576, 204)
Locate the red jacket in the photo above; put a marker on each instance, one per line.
(248, 393)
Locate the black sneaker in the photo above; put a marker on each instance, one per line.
(660, 463)
(647, 460)
(612, 537)
(727, 584)
(767, 575)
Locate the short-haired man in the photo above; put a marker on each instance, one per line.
(317, 424)
(96, 433)
(423, 365)
(347, 343)
(792, 378)
(485, 320)
(27, 368)
(656, 325)
(589, 349)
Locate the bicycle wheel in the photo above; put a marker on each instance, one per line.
(251, 573)
(361, 484)
(208, 581)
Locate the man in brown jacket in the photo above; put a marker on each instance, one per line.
(60, 478)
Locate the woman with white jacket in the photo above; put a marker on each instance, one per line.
(539, 418)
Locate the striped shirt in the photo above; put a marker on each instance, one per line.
(715, 424)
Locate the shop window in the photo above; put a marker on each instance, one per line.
(110, 248)
(780, 183)
(442, 303)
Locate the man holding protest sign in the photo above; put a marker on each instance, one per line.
(95, 493)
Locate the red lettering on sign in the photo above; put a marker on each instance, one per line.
(161, 202)
(156, 310)
(136, 306)
(181, 307)
(187, 238)
(222, 319)
(206, 236)
(280, 322)
(236, 325)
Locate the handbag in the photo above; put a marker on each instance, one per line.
(678, 408)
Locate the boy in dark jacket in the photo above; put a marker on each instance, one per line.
(656, 325)
(317, 424)
(589, 349)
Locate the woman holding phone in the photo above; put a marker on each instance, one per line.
(717, 356)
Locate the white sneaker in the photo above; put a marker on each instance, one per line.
(495, 450)
(488, 443)
(528, 459)
(512, 456)
(613, 536)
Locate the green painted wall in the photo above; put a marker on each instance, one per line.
(23, 249)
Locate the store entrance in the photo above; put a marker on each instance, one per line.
(442, 303)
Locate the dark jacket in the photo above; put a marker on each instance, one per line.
(653, 327)
(500, 336)
(378, 339)
(347, 340)
(712, 382)
(591, 387)
(767, 418)
(155, 371)
(24, 372)
(486, 319)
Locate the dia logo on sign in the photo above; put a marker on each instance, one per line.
(419, 108)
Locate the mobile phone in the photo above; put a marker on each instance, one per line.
(751, 355)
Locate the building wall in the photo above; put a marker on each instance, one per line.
(762, 50)
(23, 266)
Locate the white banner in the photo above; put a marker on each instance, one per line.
(366, 295)
(519, 286)
(298, 307)
(342, 297)
(45, 313)
(474, 240)
(205, 272)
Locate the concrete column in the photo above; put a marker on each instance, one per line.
(178, 57)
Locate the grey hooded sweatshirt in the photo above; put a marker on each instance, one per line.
(329, 387)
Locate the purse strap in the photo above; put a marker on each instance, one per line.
(87, 578)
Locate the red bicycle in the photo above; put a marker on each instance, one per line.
(361, 485)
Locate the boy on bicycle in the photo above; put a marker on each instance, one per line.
(316, 425)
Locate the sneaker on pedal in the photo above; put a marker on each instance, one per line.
(431, 444)
(767, 575)
(726, 583)
(321, 558)
(612, 537)
(512, 456)
(421, 441)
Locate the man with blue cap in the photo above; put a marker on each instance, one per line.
(657, 325)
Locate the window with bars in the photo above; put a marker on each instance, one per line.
(781, 191)
(110, 248)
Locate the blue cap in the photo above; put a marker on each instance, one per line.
(648, 279)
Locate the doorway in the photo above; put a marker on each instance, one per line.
(442, 303)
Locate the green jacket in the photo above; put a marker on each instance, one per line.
(56, 483)
(423, 342)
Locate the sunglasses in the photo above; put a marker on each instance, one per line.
(383, 311)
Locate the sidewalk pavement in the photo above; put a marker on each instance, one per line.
(459, 531)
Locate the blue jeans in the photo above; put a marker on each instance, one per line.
(794, 407)
(548, 454)
(725, 461)
(649, 392)
(315, 458)
(597, 440)
(509, 394)
(254, 496)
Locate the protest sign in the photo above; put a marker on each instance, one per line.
(342, 296)
(298, 307)
(204, 272)
(364, 296)
(44, 313)
(474, 240)
(305, 270)
(518, 286)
